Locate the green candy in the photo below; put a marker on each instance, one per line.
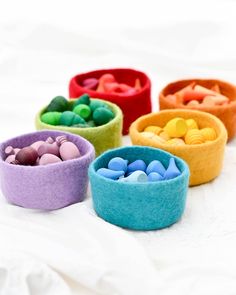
(57, 104)
(51, 118)
(69, 118)
(83, 99)
(102, 116)
(94, 104)
(82, 110)
(91, 123)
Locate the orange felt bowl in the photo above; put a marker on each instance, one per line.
(226, 113)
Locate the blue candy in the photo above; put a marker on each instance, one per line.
(172, 171)
(118, 164)
(136, 176)
(154, 176)
(136, 165)
(156, 166)
(110, 173)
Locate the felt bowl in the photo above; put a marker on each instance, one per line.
(102, 137)
(46, 187)
(204, 160)
(226, 113)
(139, 206)
(132, 106)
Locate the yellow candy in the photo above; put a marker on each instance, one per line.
(154, 129)
(194, 136)
(176, 141)
(147, 134)
(158, 139)
(164, 135)
(208, 133)
(191, 124)
(176, 127)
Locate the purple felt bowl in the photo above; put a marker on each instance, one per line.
(46, 187)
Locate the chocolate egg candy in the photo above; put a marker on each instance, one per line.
(95, 104)
(68, 151)
(37, 144)
(57, 104)
(49, 159)
(102, 116)
(208, 133)
(83, 99)
(51, 118)
(82, 110)
(118, 164)
(110, 173)
(172, 171)
(27, 156)
(155, 166)
(48, 148)
(10, 159)
(90, 83)
(176, 127)
(194, 136)
(136, 165)
(136, 176)
(9, 150)
(154, 176)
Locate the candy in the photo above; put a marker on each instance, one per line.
(155, 166)
(37, 144)
(83, 99)
(136, 165)
(67, 149)
(155, 129)
(57, 104)
(191, 124)
(154, 176)
(102, 116)
(48, 148)
(176, 127)
(90, 83)
(27, 156)
(194, 136)
(48, 159)
(176, 141)
(110, 173)
(209, 134)
(136, 176)
(82, 110)
(51, 118)
(118, 164)
(172, 171)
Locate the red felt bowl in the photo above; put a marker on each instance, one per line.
(132, 106)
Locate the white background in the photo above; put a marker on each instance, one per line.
(42, 45)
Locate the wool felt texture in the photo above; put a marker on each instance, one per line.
(226, 113)
(46, 187)
(139, 206)
(102, 137)
(205, 160)
(133, 106)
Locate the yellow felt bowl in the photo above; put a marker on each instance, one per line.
(104, 137)
(204, 160)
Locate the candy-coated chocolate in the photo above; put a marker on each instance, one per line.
(68, 151)
(154, 176)
(191, 124)
(176, 127)
(37, 144)
(90, 83)
(208, 133)
(57, 104)
(155, 166)
(51, 118)
(27, 156)
(82, 110)
(172, 171)
(194, 136)
(48, 148)
(154, 129)
(110, 173)
(83, 99)
(102, 116)
(136, 176)
(118, 164)
(48, 159)
(137, 165)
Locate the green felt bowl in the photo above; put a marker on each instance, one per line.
(107, 136)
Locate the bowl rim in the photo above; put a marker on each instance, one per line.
(232, 103)
(185, 173)
(118, 116)
(89, 152)
(144, 88)
(223, 132)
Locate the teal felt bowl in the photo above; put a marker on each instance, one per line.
(139, 206)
